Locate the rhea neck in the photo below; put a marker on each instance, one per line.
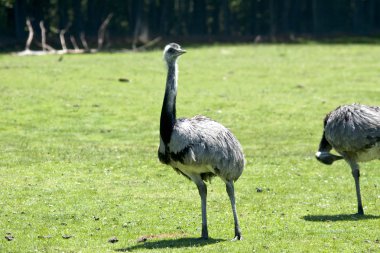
(168, 112)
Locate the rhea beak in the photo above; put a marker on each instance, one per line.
(181, 51)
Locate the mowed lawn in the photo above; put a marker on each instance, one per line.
(79, 164)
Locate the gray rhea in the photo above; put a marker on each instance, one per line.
(354, 132)
(198, 148)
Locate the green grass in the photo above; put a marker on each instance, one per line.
(79, 151)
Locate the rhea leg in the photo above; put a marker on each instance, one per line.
(202, 188)
(231, 195)
(356, 174)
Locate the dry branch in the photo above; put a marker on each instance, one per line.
(102, 30)
(74, 42)
(43, 35)
(148, 44)
(46, 49)
(44, 45)
(84, 42)
(30, 36)
(62, 37)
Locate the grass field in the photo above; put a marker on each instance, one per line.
(79, 163)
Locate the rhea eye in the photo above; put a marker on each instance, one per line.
(171, 50)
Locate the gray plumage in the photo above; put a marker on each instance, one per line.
(354, 132)
(198, 148)
(207, 143)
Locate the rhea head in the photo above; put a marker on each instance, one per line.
(171, 53)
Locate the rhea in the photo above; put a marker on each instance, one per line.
(354, 132)
(198, 148)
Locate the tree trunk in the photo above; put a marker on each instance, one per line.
(78, 26)
(360, 17)
(226, 17)
(166, 16)
(199, 17)
(272, 17)
(62, 14)
(316, 17)
(20, 18)
(215, 18)
(92, 27)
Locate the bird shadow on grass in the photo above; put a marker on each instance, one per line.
(170, 243)
(339, 217)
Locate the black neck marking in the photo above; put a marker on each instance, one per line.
(168, 112)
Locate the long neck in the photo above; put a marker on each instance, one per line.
(168, 112)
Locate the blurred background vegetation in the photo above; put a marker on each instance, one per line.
(139, 21)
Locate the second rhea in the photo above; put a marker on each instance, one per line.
(354, 132)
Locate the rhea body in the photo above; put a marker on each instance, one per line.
(354, 132)
(198, 148)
